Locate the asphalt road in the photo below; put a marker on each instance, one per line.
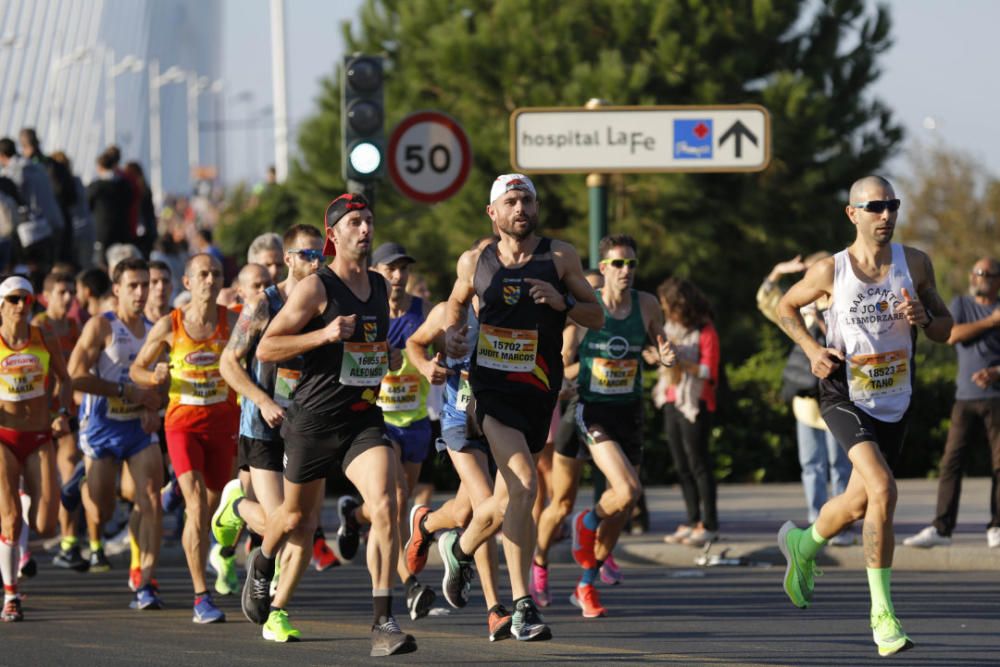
(717, 616)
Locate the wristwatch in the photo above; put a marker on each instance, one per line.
(570, 302)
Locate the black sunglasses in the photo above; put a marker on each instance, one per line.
(15, 299)
(984, 274)
(308, 254)
(878, 205)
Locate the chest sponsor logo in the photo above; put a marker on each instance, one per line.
(371, 331)
(617, 347)
(22, 362)
(511, 292)
(874, 310)
(201, 358)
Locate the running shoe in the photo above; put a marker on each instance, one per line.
(99, 562)
(540, 585)
(70, 495)
(226, 580)
(888, 634)
(12, 611)
(993, 537)
(499, 621)
(527, 624)
(388, 639)
(147, 598)
(71, 559)
(419, 600)
(135, 580)
(417, 546)
(170, 496)
(205, 611)
(255, 601)
(27, 568)
(927, 538)
(278, 629)
(348, 535)
(226, 525)
(457, 575)
(584, 597)
(611, 574)
(800, 572)
(323, 557)
(583, 542)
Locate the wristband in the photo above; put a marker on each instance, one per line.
(930, 318)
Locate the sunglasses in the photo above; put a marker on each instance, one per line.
(984, 274)
(15, 299)
(309, 254)
(620, 263)
(878, 205)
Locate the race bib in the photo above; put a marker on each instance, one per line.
(464, 394)
(510, 350)
(202, 387)
(120, 410)
(874, 375)
(285, 382)
(399, 393)
(613, 376)
(364, 364)
(21, 378)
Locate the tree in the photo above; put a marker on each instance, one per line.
(811, 65)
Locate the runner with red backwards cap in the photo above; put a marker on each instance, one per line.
(28, 357)
(202, 415)
(338, 321)
(526, 286)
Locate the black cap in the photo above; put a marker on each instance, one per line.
(387, 253)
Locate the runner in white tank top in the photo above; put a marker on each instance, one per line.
(881, 293)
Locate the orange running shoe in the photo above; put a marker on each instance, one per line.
(585, 599)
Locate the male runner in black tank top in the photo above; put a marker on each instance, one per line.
(337, 319)
(526, 286)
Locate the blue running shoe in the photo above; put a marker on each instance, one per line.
(146, 598)
(205, 611)
(170, 496)
(70, 494)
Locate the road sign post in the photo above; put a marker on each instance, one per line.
(597, 188)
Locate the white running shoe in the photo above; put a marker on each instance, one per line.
(993, 537)
(927, 538)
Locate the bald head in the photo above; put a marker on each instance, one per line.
(253, 279)
(201, 261)
(870, 187)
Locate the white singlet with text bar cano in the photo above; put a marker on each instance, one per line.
(640, 139)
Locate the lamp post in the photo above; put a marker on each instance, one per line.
(113, 70)
(157, 81)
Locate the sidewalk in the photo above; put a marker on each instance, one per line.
(750, 515)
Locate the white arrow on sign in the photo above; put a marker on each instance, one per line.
(641, 139)
(429, 156)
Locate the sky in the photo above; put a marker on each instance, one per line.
(939, 76)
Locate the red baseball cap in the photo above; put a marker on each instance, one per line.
(336, 210)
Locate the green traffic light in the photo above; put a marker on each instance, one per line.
(365, 157)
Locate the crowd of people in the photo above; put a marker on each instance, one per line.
(239, 401)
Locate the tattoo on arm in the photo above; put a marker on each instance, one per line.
(251, 322)
(795, 328)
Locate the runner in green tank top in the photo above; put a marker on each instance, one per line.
(609, 418)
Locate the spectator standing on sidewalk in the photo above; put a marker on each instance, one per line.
(820, 457)
(976, 337)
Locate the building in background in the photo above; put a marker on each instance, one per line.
(79, 72)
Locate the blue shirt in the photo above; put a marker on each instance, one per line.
(976, 354)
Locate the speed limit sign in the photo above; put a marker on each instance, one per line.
(429, 156)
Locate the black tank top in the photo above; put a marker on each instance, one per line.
(519, 347)
(345, 376)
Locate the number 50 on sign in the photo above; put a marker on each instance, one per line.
(429, 156)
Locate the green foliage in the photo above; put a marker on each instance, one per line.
(248, 215)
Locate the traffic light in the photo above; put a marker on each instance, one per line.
(362, 118)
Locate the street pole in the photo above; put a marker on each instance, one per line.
(279, 89)
(597, 186)
(109, 98)
(194, 157)
(155, 167)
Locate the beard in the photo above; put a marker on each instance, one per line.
(508, 226)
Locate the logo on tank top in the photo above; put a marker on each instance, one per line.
(201, 358)
(370, 329)
(511, 291)
(22, 362)
(617, 347)
(874, 309)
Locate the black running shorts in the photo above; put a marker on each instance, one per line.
(529, 414)
(261, 454)
(616, 422)
(851, 425)
(313, 445)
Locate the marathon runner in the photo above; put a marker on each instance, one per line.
(202, 416)
(267, 391)
(119, 421)
(608, 417)
(881, 293)
(338, 321)
(28, 357)
(526, 287)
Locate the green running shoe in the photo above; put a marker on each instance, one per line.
(888, 634)
(278, 629)
(226, 580)
(226, 526)
(800, 572)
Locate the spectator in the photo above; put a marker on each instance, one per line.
(820, 457)
(687, 393)
(63, 187)
(119, 252)
(976, 337)
(82, 222)
(10, 203)
(142, 204)
(109, 197)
